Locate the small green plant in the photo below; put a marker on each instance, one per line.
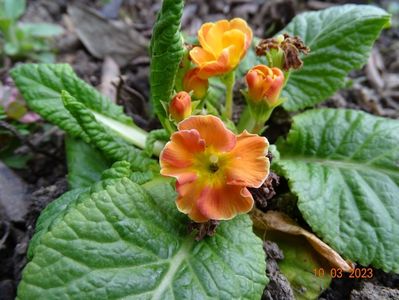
(121, 230)
(20, 40)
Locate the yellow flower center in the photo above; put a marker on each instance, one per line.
(210, 166)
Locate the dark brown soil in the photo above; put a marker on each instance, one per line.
(375, 89)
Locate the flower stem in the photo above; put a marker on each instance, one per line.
(229, 80)
(258, 127)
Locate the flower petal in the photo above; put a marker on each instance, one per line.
(225, 203)
(234, 41)
(213, 38)
(240, 24)
(216, 67)
(248, 165)
(212, 130)
(202, 33)
(176, 158)
(186, 202)
(200, 56)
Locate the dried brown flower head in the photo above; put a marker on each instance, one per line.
(291, 46)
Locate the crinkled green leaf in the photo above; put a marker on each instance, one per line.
(85, 163)
(105, 139)
(60, 205)
(344, 167)
(121, 242)
(340, 39)
(41, 86)
(166, 53)
(51, 213)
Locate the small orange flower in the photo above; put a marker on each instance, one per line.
(213, 167)
(223, 45)
(180, 107)
(265, 84)
(192, 82)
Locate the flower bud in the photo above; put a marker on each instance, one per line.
(180, 107)
(264, 85)
(191, 82)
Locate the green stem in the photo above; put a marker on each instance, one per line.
(229, 80)
(246, 121)
(258, 127)
(253, 122)
(131, 134)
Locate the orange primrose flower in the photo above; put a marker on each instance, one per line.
(180, 107)
(223, 45)
(192, 82)
(214, 167)
(265, 84)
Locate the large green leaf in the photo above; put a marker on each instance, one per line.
(340, 39)
(343, 165)
(166, 54)
(85, 163)
(50, 214)
(41, 86)
(127, 241)
(60, 205)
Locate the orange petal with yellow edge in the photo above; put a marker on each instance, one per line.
(248, 165)
(225, 203)
(212, 130)
(176, 159)
(186, 202)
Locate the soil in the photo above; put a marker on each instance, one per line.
(374, 89)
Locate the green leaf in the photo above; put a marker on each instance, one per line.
(41, 87)
(108, 141)
(50, 214)
(60, 205)
(344, 167)
(85, 163)
(340, 39)
(300, 261)
(166, 53)
(122, 241)
(13, 9)
(41, 30)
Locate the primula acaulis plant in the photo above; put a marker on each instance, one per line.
(121, 231)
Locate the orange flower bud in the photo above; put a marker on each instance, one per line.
(265, 84)
(180, 107)
(192, 82)
(223, 45)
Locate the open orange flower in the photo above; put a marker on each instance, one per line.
(213, 167)
(223, 45)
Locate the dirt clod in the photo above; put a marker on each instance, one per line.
(278, 287)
